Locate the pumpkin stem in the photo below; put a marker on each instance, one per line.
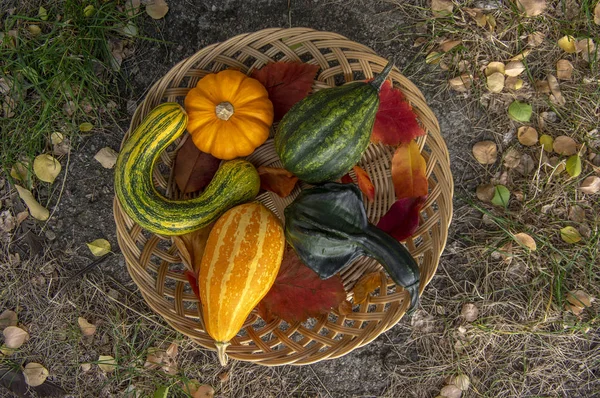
(224, 110)
(221, 347)
(378, 81)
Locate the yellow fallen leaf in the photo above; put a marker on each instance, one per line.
(525, 240)
(56, 138)
(106, 363)
(99, 247)
(87, 329)
(37, 211)
(513, 83)
(567, 44)
(570, 235)
(35, 30)
(532, 8)
(85, 127)
(14, 337)
(46, 168)
(35, 374)
(157, 9)
(494, 67)
(107, 157)
(20, 171)
(433, 58)
(547, 142)
(521, 56)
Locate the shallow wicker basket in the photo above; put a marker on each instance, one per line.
(154, 263)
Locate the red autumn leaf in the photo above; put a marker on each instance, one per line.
(298, 293)
(346, 179)
(191, 277)
(402, 219)
(287, 83)
(395, 121)
(194, 169)
(279, 181)
(408, 171)
(364, 183)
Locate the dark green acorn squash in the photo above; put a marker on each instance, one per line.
(328, 228)
(326, 133)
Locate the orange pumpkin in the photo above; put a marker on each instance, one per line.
(229, 114)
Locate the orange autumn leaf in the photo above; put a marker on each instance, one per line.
(408, 171)
(279, 181)
(364, 183)
(365, 285)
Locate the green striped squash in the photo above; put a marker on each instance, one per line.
(235, 182)
(324, 135)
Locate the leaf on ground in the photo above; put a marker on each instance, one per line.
(485, 152)
(567, 44)
(448, 45)
(556, 97)
(85, 127)
(46, 168)
(573, 166)
(587, 49)
(597, 14)
(564, 69)
(485, 192)
(469, 312)
(408, 171)
(462, 83)
(161, 392)
(441, 8)
(14, 337)
(535, 39)
(570, 235)
(277, 180)
(89, 10)
(8, 318)
(577, 214)
(579, 298)
(532, 8)
(191, 247)
(163, 359)
(56, 137)
(157, 9)
(513, 83)
(520, 111)
(20, 171)
(132, 7)
(590, 185)
(402, 219)
(461, 381)
(86, 367)
(495, 67)
(107, 157)
(36, 210)
(366, 285)
(512, 158)
(87, 328)
(298, 293)
(194, 169)
(364, 183)
(527, 135)
(495, 82)
(107, 363)
(547, 142)
(501, 196)
(99, 247)
(514, 68)
(564, 145)
(450, 391)
(478, 16)
(525, 240)
(197, 390)
(287, 83)
(395, 121)
(35, 374)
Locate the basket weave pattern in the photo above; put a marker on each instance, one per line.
(154, 263)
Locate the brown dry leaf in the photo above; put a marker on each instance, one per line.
(542, 86)
(513, 83)
(107, 157)
(132, 7)
(564, 145)
(345, 308)
(107, 363)
(365, 285)
(597, 14)
(85, 367)
(590, 185)
(87, 329)
(451, 391)
(462, 381)
(512, 158)
(494, 67)
(420, 41)
(521, 56)
(577, 214)
(495, 82)
(579, 298)
(461, 83)
(573, 308)
(477, 15)
(163, 359)
(535, 39)
(441, 8)
(157, 9)
(486, 152)
(191, 247)
(36, 210)
(564, 69)
(35, 374)
(448, 45)
(8, 318)
(46, 168)
(485, 192)
(527, 135)
(525, 240)
(556, 97)
(14, 337)
(514, 68)
(8, 106)
(469, 312)
(20, 171)
(532, 8)
(587, 48)
(63, 148)
(567, 44)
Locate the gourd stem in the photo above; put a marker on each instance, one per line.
(378, 81)
(396, 259)
(224, 110)
(221, 347)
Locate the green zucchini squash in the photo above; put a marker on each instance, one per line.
(235, 182)
(326, 133)
(328, 228)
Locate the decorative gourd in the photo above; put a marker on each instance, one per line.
(326, 133)
(328, 228)
(230, 114)
(239, 265)
(235, 182)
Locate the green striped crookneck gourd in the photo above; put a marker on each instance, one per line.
(325, 134)
(235, 182)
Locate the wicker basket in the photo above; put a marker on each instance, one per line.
(153, 261)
